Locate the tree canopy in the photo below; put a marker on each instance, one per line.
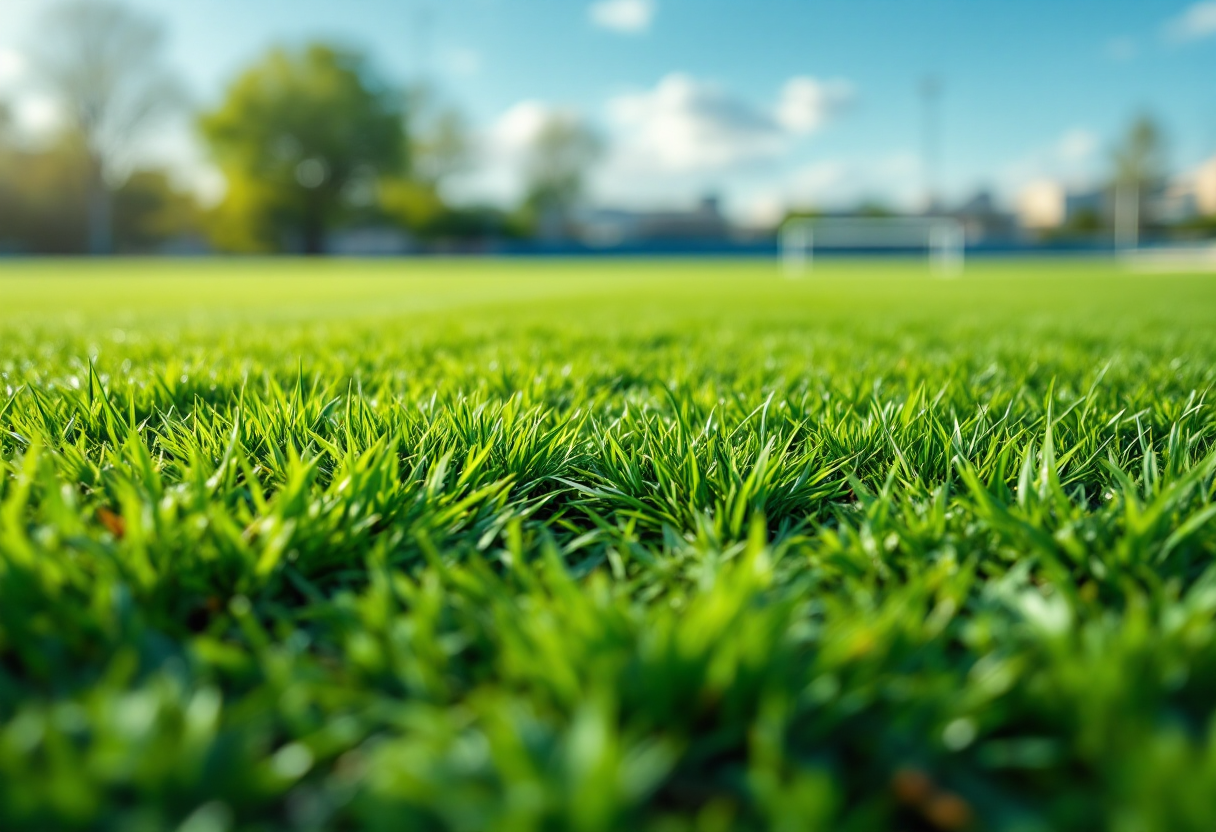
(301, 137)
(1139, 159)
(562, 153)
(105, 64)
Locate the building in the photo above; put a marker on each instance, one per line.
(608, 227)
(984, 221)
(368, 242)
(1042, 205)
(1047, 205)
(1195, 193)
(1176, 203)
(1091, 207)
(1205, 188)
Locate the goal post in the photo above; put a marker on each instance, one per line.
(943, 238)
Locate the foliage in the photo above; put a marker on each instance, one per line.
(538, 546)
(149, 209)
(1139, 160)
(105, 64)
(43, 196)
(298, 133)
(440, 145)
(412, 204)
(562, 154)
(417, 205)
(44, 204)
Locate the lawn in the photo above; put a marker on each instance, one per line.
(611, 545)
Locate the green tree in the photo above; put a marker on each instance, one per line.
(44, 198)
(439, 146)
(1139, 159)
(555, 170)
(1140, 169)
(105, 64)
(44, 203)
(149, 210)
(438, 137)
(301, 136)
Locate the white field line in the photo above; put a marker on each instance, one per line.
(1199, 258)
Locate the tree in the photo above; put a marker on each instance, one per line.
(1139, 170)
(43, 198)
(150, 211)
(1140, 158)
(104, 64)
(300, 135)
(438, 138)
(439, 147)
(562, 154)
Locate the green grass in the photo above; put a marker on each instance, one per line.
(606, 546)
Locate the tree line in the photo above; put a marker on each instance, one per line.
(310, 140)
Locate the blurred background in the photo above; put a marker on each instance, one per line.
(384, 127)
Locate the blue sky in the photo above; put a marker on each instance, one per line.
(767, 102)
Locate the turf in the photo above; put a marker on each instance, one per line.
(600, 546)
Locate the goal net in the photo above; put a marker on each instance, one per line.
(942, 238)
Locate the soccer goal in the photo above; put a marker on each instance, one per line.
(943, 238)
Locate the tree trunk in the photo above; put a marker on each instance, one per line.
(314, 241)
(314, 226)
(101, 213)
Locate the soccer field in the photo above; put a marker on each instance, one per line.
(606, 545)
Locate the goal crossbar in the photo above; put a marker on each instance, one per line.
(944, 238)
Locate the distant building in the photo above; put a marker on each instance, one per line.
(1093, 203)
(1205, 188)
(1194, 194)
(1042, 205)
(185, 245)
(368, 242)
(1048, 205)
(983, 220)
(1176, 203)
(612, 227)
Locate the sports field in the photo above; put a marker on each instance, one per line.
(612, 545)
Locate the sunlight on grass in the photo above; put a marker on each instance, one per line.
(612, 545)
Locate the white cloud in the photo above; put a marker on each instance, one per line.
(838, 183)
(176, 147)
(762, 210)
(38, 115)
(626, 16)
(806, 103)
(669, 144)
(12, 65)
(501, 153)
(519, 126)
(684, 124)
(1198, 21)
(1071, 160)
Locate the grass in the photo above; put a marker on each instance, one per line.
(600, 546)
